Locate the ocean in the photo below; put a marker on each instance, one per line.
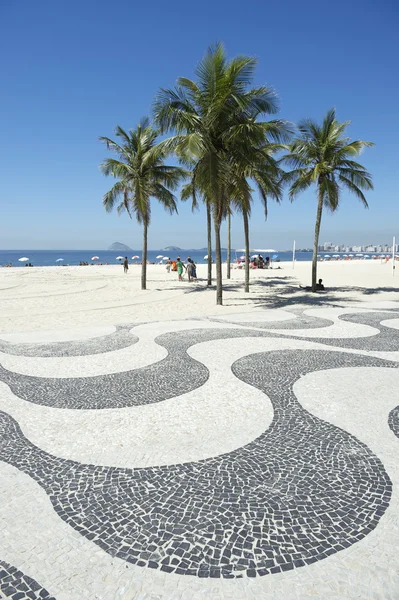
(50, 258)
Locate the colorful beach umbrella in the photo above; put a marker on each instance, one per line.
(95, 257)
(135, 257)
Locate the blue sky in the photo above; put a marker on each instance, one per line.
(71, 71)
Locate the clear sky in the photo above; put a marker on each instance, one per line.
(71, 70)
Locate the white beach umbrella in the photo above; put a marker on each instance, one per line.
(345, 255)
(95, 257)
(336, 255)
(359, 254)
(350, 255)
(206, 256)
(160, 256)
(242, 257)
(326, 256)
(367, 256)
(135, 257)
(59, 259)
(166, 258)
(119, 258)
(23, 259)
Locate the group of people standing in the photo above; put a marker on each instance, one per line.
(175, 265)
(178, 266)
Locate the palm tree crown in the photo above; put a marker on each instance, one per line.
(141, 173)
(323, 155)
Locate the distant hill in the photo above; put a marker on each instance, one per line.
(172, 248)
(120, 247)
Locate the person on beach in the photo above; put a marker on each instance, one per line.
(168, 265)
(189, 268)
(194, 271)
(319, 287)
(180, 268)
(125, 265)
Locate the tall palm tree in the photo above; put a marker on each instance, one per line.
(189, 192)
(322, 155)
(229, 244)
(214, 118)
(141, 175)
(256, 166)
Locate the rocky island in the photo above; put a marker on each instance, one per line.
(120, 247)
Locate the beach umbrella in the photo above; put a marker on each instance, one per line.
(359, 254)
(119, 258)
(345, 255)
(255, 256)
(95, 257)
(336, 255)
(23, 259)
(350, 255)
(367, 256)
(206, 256)
(166, 258)
(59, 259)
(160, 256)
(274, 256)
(242, 257)
(135, 257)
(326, 256)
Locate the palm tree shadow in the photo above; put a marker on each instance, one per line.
(282, 292)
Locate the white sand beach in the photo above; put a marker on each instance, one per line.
(43, 298)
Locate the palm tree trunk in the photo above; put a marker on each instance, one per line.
(209, 232)
(219, 282)
(316, 240)
(246, 235)
(144, 258)
(228, 244)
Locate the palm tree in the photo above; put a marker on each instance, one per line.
(228, 244)
(322, 155)
(189, 192)
(259, 167)
(141, 174)
(214, 119)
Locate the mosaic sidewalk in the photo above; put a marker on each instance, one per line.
(254, 456)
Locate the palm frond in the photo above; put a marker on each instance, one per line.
(354, 189)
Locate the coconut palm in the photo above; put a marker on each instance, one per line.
(189, 192)
(228, 244)
(141, 175)
(322, 155)
(213, 119)
(256, 167)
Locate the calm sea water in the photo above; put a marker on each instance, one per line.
(47, 258)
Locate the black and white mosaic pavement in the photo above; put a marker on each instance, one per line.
(177, 374)
(302, 491)
(17, 586)
(393, 420)
(121, 338)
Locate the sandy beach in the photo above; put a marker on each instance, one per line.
(61, 297)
